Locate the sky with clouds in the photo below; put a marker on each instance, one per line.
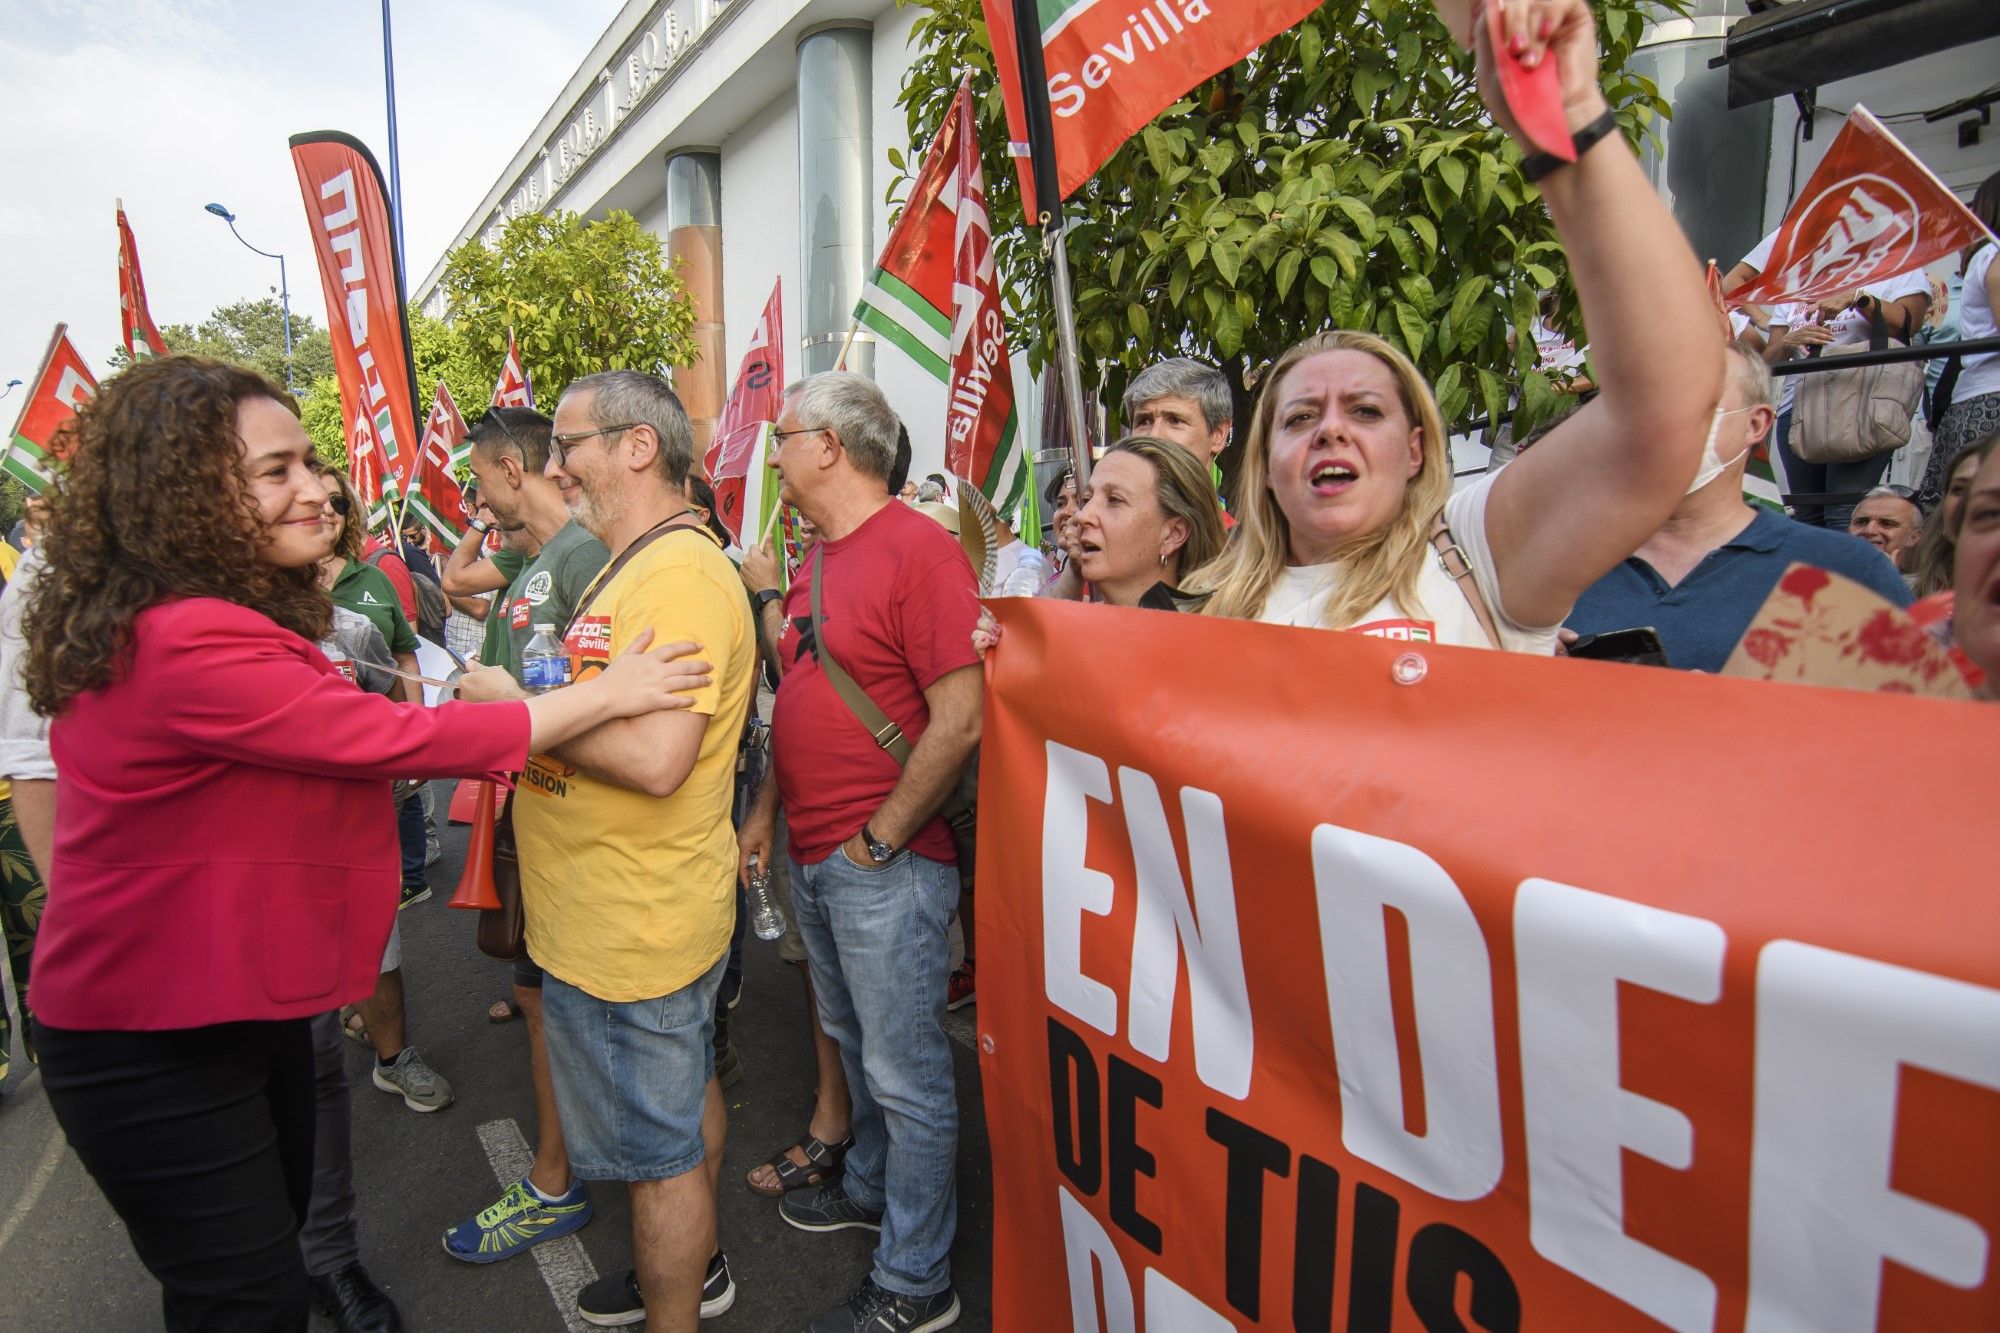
(171, 104)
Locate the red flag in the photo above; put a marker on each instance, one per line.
(361, 274)
(1111, 69)
(512, 388)
(753, 404)
(437, 496)
(365, 468)
(61, 386)
(142, 339)
(979, 422)
(1870, 212)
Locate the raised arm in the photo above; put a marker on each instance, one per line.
(1606, 478)
(468, 570)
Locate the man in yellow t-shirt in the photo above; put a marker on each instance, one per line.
(628, 858)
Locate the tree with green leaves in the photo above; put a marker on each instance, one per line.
(250, 333)
(582, 296)
(1345, 175)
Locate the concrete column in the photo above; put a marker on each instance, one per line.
(836, 190)
(694, 237)
(1710, 162)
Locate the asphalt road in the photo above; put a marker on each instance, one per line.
(68, 1265)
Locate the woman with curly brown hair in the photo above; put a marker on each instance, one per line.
(224, 851)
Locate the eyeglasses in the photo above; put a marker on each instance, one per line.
(341, 505)
(778, 436)
(560, 445)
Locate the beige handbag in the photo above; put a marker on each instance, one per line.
(1844, 416)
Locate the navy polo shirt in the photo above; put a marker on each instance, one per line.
(1702, 618)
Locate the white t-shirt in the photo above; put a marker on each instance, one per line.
(1442, 615)
(1978, 374)
(1848, 327)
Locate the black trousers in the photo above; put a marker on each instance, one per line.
(202, 1141)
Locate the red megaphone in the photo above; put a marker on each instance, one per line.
(475, 886)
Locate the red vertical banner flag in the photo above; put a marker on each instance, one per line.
(142, 339)
(361, 274)
(1869, 212)
(1111, 68)
(1410, 1016)
(933, 298)
(38, 442)
(753, 405)
(437, 496)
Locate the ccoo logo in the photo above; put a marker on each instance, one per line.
(1867, 227)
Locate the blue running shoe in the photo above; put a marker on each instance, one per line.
(519, 1221)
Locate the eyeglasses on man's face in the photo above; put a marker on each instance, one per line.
(560, 445)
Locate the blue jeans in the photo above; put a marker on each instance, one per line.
(1803, 478)
(410, 833)
(876, 943)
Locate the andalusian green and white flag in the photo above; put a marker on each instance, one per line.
(934, 297)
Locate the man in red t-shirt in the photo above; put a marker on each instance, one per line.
(873, 884)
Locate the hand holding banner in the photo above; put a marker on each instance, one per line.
(1438, 1000)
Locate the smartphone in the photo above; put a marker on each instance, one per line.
(1640, 646)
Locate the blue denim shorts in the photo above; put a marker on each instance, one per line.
(631, 1079)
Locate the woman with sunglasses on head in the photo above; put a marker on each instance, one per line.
(1347, 519)
(223, 849)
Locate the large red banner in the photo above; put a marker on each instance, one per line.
(361, 274)
(1111, 68)
(1871, 211)
(1374, 987)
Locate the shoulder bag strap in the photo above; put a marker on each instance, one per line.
(885, 731)
(1454, 564)
(610, 571)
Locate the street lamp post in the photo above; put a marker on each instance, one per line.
(284, 289)
(11, 386)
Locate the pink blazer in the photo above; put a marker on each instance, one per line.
(225, 845)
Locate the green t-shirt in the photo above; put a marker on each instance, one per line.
(547, 591)
(362, 587)
(493, 649)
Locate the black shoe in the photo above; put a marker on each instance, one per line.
(613, 1302)
(413, 893)
(873, 1310)
(355, 1304)
(828, 1209)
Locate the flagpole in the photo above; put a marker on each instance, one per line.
(1048, 199)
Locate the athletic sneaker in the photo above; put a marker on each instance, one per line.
(413, 893)
(959, 990)
(521, 1219)
(873, 1310)
(421, 1087)
(827, 1209)
(614, 1301)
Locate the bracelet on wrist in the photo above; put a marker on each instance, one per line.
(1537, 165)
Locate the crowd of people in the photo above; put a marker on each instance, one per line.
(206, 627)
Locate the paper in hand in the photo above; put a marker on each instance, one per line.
(1533, 95)
(1818, 628)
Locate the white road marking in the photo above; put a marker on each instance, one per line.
(565, 1265)
(44, 1169)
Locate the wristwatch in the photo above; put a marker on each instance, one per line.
(479, 527)
(881, 853)
(764, 597)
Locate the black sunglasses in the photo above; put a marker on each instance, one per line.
(341, 505)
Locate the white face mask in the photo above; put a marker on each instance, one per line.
(1712, 462)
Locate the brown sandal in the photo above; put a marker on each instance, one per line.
(823, 1163)
(503, 1011)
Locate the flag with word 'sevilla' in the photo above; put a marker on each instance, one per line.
(933, 297)
(39, 441)
(142, 338)
(1112, 67)
(435, 494)
(1870, 212)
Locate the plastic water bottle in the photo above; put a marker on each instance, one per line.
(544, 664)
(764, 918)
